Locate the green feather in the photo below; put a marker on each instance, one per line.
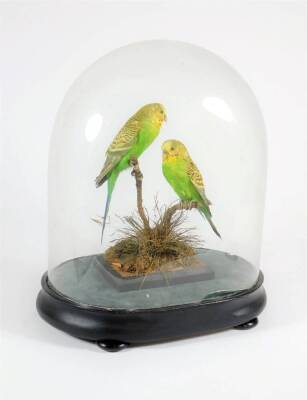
(175, 172)
(118, 159)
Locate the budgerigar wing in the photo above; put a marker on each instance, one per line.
(198, 182)
(120, 145)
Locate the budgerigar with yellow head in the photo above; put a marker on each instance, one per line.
(184, 177)
(133, 139)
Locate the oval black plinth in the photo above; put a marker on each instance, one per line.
(114, 330)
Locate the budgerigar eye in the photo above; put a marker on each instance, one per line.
(172, 148)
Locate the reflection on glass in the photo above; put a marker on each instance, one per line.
(93, 127)
(219, 108)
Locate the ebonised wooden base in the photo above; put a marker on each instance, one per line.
(114, 330)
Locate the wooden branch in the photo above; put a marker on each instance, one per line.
(136, 172)
(184, 205)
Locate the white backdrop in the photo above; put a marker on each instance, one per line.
(43, 48)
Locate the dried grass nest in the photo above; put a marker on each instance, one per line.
(163, 246)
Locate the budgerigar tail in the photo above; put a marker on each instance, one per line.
(207, 214)
(111, 183)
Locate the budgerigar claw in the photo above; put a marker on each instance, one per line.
(194, 204)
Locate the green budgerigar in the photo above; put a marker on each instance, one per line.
(133, 139)
(184, 177)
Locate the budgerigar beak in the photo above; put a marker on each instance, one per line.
(165, 118)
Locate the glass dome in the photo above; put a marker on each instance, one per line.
(184, 119)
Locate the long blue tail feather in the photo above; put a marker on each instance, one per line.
(111, 183)
(106, 211)
(204, 213)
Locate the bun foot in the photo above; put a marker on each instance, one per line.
(247, 325)
(111, 346)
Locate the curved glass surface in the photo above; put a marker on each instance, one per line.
(200, 137)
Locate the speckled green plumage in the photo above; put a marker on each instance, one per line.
(143, 139)
(133, 139)
(176, 174)
(184, 177)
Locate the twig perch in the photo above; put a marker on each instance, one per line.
(136, 172)
(184, 205)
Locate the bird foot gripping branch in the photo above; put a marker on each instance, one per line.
(136, 172)
(181, 206)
